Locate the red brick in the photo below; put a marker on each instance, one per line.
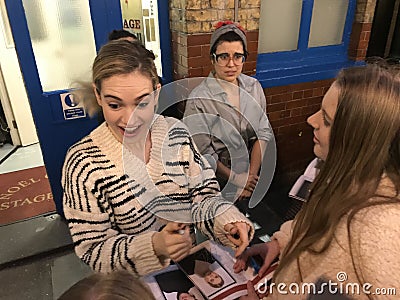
(363, 44)
(252, 56)
(196, 72)
(275, 107)
(281, 98)
(310, 110)
(194, 51)
(296, 112)
(205, 50)
(273, 116)
(250, 66)
(198, 39)
(277, 90)
(276, 124)
(252, 46)
(195, 62)
(308, 93)
(289, 121)
(314, 100)
(289, 129)
(296, 103)
(252, 36)
(367, 35)
(366, 26)
(296, 120)
(278, 115)
(363, 36)
(298, 95)
(318, 91)
(302, 86)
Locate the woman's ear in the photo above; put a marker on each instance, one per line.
(96, 93)
(157, 93)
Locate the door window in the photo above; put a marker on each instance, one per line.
(62, 38)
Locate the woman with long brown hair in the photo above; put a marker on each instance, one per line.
(348, 231)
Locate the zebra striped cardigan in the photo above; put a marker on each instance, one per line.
(114, 202)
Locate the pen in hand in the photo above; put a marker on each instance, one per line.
(254, 265)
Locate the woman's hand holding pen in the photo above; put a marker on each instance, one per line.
(268, 251)
(173, 241)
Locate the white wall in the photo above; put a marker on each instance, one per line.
(14, 88)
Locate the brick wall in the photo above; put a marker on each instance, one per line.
(359, 40)
(361, 29)
(192, 22)
(288, 108)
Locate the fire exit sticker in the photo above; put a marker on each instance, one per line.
(71, 109)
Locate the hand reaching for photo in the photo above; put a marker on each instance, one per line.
(268, 251)
(238, 234)
(173, 241)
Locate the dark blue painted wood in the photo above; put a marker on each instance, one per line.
(305, 23)
(165, 40)
(106, 16)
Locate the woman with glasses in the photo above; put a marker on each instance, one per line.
(226, 115)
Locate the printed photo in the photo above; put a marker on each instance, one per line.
(301, 188)
(174, 285)
(206, 272)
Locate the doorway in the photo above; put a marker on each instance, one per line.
(385, 32)
(25, 190)
(47, 36)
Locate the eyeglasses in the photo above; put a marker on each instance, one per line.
(223, 59)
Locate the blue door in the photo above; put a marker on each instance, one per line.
(48, 67)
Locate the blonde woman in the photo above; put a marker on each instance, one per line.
(135, 182)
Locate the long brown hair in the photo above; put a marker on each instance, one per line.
(115, 58)
(118, 285)
(364, 145)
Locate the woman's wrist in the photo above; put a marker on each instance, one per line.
(158, 245)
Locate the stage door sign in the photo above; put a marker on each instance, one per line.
(131, 11)
(141, 18)
(71, 109)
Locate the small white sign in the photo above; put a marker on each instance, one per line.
(71, 109)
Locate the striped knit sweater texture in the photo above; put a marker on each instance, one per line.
(114, 202)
